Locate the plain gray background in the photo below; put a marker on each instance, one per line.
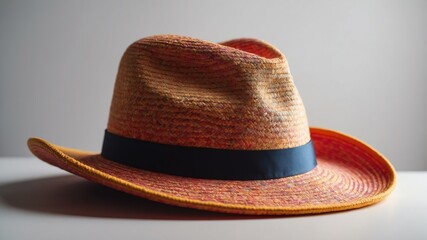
(360, 66)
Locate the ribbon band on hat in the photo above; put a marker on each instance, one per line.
(209, 163)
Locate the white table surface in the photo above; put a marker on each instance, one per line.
(39, 201)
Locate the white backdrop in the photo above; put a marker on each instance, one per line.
(361, 66)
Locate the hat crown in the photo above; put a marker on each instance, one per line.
(184, 91)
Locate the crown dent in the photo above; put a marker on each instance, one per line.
(184, 91)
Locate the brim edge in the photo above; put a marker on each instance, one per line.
(35, 143)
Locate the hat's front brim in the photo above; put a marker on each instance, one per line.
(349, 175)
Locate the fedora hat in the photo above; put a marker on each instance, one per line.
(222, 127)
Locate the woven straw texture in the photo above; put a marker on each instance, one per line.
(234, 95)
(185, 91)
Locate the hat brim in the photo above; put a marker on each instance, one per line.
(350, 174)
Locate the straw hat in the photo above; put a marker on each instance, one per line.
(221, 127)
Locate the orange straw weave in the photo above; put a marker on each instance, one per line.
(236, 95)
